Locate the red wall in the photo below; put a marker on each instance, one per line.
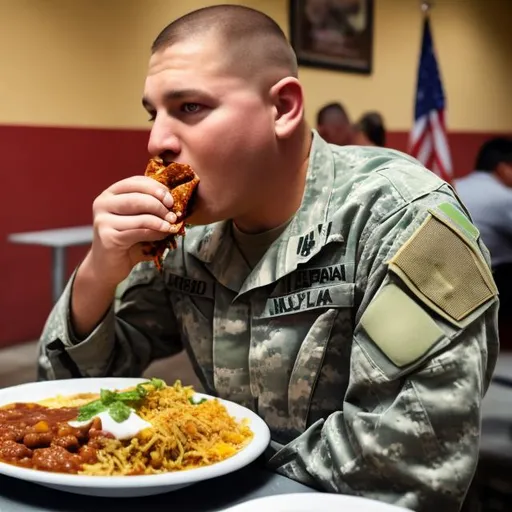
(50, 178)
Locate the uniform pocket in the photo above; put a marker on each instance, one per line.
(310, 357)
(193, 305)
(188, 293)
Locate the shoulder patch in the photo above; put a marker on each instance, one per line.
(399, 326)
(444, 268)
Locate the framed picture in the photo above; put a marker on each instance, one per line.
(333, 34)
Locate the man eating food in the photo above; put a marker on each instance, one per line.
(342, 293)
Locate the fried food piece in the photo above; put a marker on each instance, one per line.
(182, 182)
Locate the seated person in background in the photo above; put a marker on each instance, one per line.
(370, 130)
(487, 193)
(333, 124)
(324, 287)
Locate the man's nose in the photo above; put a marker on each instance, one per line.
(163, 138)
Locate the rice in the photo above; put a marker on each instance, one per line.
(69, 401)
(183, 436)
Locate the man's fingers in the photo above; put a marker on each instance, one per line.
(136, 236)
(149, 222)
(145, 185)
(127, 239)
(136, 203)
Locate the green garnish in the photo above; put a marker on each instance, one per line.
(119, 412)
(89, 410)
(196, 402)
(107, 396)
(118, 405)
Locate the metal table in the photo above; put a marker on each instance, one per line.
(210, 495)
(492, 481)
(59, 240)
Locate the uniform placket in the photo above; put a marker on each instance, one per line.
(231, 342)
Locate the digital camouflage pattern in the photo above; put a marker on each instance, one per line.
(285, 339)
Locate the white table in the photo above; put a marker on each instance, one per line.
(59, 240)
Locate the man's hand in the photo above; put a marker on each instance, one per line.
(129, 212)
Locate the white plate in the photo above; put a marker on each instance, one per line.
(314, 502)
(127, 486)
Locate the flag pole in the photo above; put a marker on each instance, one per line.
(426, 6)
(428, 141)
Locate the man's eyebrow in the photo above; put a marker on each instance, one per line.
(175, 94)
(147, 104)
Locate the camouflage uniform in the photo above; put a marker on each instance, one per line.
(365, 338)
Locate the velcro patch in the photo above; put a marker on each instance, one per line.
(445, 270)
(400, 327)
(460, 220)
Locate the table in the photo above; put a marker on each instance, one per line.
(59, 240)
(211, 495)
(492, 480)
(253, 481)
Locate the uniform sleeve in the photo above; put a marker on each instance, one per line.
(408, 433)
(141, 329)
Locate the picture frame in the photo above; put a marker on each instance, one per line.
(333, 34)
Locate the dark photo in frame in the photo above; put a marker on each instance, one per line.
(333, 34)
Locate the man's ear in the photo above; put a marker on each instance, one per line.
(288, 99)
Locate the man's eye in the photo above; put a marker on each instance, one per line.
(152, 117)
(191, 108)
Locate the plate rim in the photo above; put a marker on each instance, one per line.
(280, 499)
(189, 476)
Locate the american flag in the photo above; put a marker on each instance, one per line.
(428, 141)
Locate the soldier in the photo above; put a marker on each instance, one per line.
(342, 293)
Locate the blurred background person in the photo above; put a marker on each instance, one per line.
(333, 124)
(487, 193)
(370, 130)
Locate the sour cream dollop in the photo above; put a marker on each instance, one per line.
(126, 429)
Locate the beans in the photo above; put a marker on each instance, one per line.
(56, 459)
(94, 433)
(35, 440)
(38, 437)
(70, 443)
(88, 454)
(13, 451)
(65, 430)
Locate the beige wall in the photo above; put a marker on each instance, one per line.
(82, 62)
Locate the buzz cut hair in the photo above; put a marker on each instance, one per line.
(331, 109)
(254, 38)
